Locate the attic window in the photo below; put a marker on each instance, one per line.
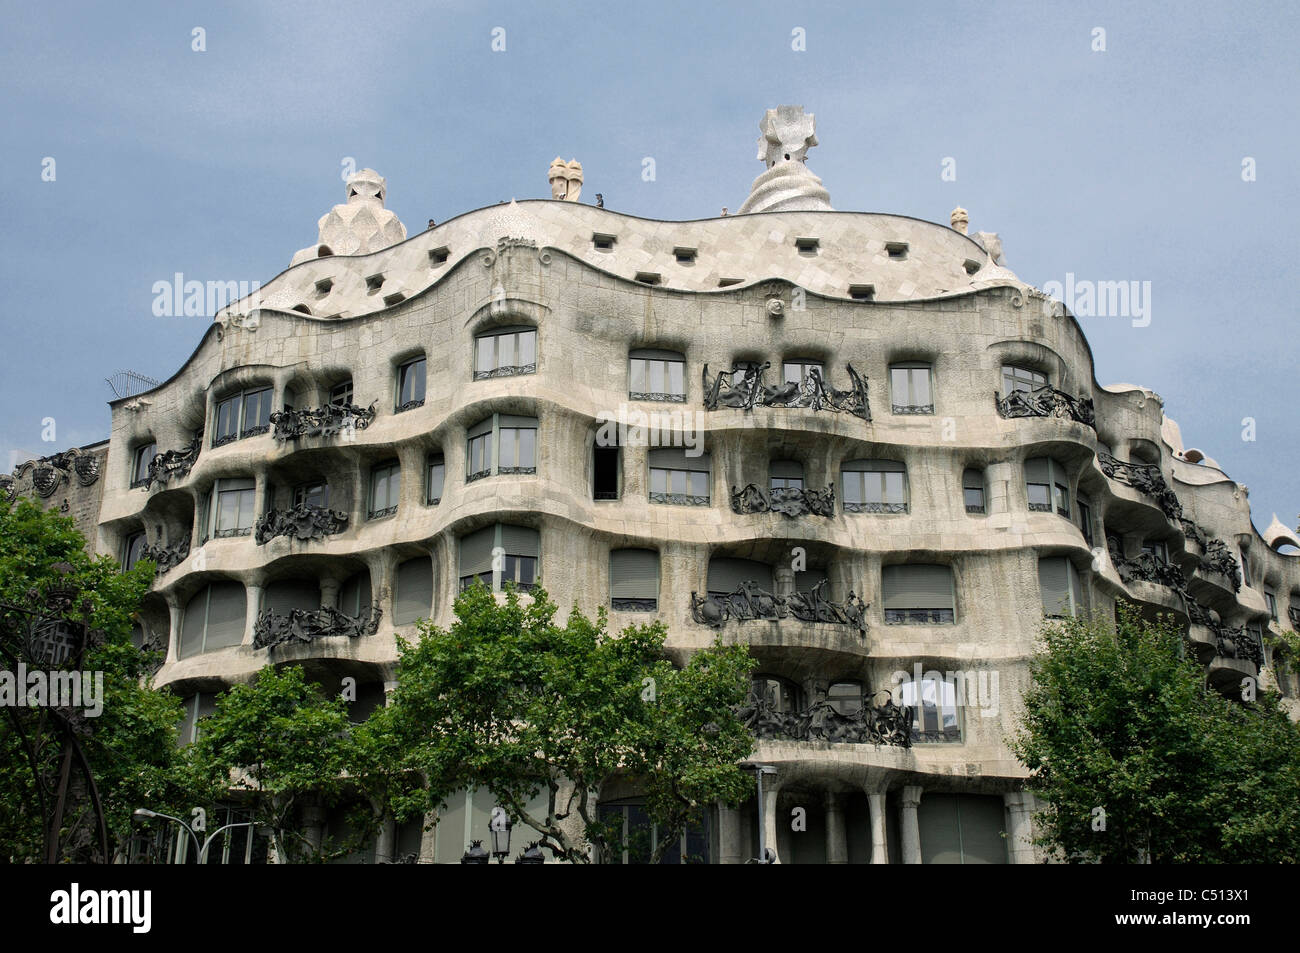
(684, 256)
(324, 251)
(394, 298)
(897, 250)
(725, 282)
(862, 292)
(602, 242)
(374, 283)
(971, 266)
(807, 246)
(649, 277)
(324, 285)
(439, 256)
(301, 308)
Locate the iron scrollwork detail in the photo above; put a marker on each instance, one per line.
(1146, 478)
(174, 464)
(306, 625)
(751, 602)
(1219, 559)
(883, 724)
(742, 388)
(166, 557)
(1046, 401)
(324, 421)
(302, 522)
(787, 500)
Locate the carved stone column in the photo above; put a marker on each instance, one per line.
(1020, 806)
(911, 832)
(879, 828)
(174, 642)
(769, 820)
(254, 606)
(729, 848)
(837, 846)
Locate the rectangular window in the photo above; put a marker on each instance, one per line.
(1062, 498)
(1085, 519)
(135, 544)
(1020, 379)
(410, 385)
(518, 449)
(480, 455)
(243, 415)
(1270, 602)
(910, 389)
(679, 479)
(312, 494)
(257, 413)
(875, 487)
(656, 375)
(435, 478)
(140, 465)
(234, 515)
(972, 489)
(796, 372)
(916, 594)
(385, 489)
(1158, 551)
(341, 394)
(519, 548)
(1059, 588)
(634, 580)
(506, 353)
(606, 467)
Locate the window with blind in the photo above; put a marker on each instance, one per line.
(935, 715)
(874, 486)
(500, 555)
(726, 574)
(354, 595)
(678, 478)
(961, 829)
(505, 352)
(656, 375)
(918, 595)
(140, 460)
(410, 385)
(245, 414)
(786, 475)
(845, 697)
(213, 619)
(385, 489)
(233, 515)
(435, 478)
(972, 490)
(1021, 379)
(413, 593)
(1047, 485)
(285, 595)
(1058, 584)
(910, 388)
(634, 580)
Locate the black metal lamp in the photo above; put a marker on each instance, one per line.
(476, 854)
(499, 826)
(532, 855)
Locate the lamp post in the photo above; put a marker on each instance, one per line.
(766, 855)
(499, 826)
(476, 854)
(145, 813)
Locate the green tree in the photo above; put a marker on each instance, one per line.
(131, 745)
(279, 746)
(511, 701)
(1135, 758)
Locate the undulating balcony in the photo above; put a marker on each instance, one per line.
(327, 421)
(787, 500)
(303, 522)
(303, 626)
(750, 602)
(1146, 478)
(743, 388)
(1046, 402)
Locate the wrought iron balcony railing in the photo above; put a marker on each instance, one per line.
(306, 625)
(874, 507)
(174, 464)
(327, 421)
(508, 370)
(1229, 642)
(1146, 478)
(678, 499)
(742, 388)
(1046, 402)
(166, 557)
(786, 500)
(883, 724)
(1146, 568)
(657, 396)
(920, 616)
(302, 522)
(1219, 559)
(751, 602)
(634, 605)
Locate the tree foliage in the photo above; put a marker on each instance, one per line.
(1136, 758)
(510, 700)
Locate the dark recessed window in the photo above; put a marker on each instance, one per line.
(896, 250)
(807, 246)
(394, 298)
(315, 494)
(324, 285)
(606, 470)
(684, 256)
(140, 461)
(971, 266)
(728, 282)
(374, 283)
(649, 277)
(341, 394)
(439, 256)
(862, 292)
(602, 242)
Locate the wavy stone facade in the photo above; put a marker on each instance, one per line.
(832, 598)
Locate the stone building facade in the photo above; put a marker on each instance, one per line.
(855, 443)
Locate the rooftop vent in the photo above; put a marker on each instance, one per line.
(439, 256)
(896, 250)
(374, 283)
(684, 256)
(862, 292)
(602, 242)
(807, 246)
(324, 285)
(649, 278)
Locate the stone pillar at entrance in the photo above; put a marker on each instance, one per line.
(879, 835)
(911, 828)
(1020, 807)
(837, 845)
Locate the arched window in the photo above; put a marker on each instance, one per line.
(140, 460)
(678, 478)
(1047, 485)
(213, 619)
(634, 580)
(656, 375)
(1023, 379)
(934, 710)
(1058, 584)
(874, 486)
(413, 595)
(505, 352)
(916, 594)
(972, 490)
(781, 694)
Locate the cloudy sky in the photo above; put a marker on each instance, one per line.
(1117, 165)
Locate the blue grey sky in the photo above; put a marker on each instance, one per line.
(1117, 165)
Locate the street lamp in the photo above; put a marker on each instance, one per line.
(476, 854)
(766, 855)
(532, 855)
(144, 813)
(500, 826)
